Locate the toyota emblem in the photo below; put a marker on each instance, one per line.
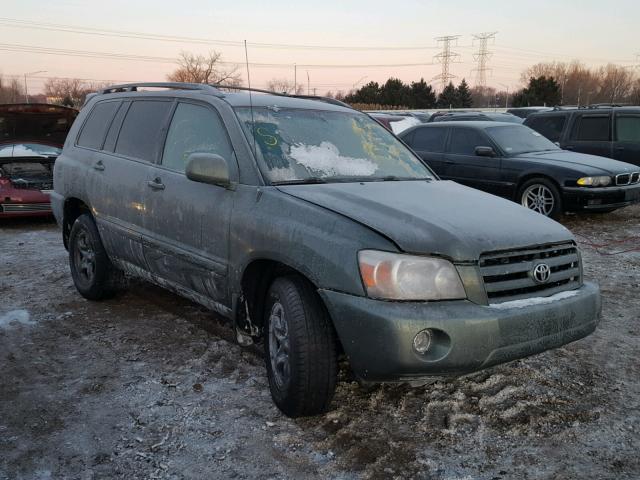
(541, 273)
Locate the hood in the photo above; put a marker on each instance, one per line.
(23, 127)
(437, 217)
(591, 164)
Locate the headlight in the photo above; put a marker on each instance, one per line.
(395, 276)
(594, 181)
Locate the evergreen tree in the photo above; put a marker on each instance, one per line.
(448, 98)
(540, 91)
(369, 93)
(394, 93)
(463, 94)
(422, 95)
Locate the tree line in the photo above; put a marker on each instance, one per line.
(395, 93)
(547, 83)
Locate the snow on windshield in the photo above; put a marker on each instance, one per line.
(404, 124)
(326, 159)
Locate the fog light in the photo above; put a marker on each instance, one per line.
(422, 341)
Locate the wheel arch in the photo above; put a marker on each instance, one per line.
(73, 208)
(256, 278)
(530, 176)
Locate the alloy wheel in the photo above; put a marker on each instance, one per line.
(279, 345)
(538, 198)
(85, 257)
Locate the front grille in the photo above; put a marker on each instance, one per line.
(508, 275)
(628, 178)
(24, 207)
(33, 185)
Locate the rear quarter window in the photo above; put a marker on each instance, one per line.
(594, 128)
(628, 128)
(429, 139)
(141, 132)
(95, 127)
(550, 126)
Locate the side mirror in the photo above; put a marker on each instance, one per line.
(208, 168)
(485, 152)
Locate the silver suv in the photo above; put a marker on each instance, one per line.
(315, 230)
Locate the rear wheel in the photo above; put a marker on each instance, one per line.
(300, 348)
(542, 196)
(93, 274)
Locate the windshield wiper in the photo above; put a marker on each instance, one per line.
(394, 178)
(300, 181)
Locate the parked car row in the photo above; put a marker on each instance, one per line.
(518, 163)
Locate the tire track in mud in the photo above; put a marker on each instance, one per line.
(165, 392)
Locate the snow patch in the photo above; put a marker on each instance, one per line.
(16, 317)
(404, 124)
(327, 160)
(528, 302)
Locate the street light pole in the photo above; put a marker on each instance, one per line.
(26, 90)
(506, 100)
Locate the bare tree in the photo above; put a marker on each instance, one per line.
(282, 85)
(615, 83)
(69, 91)
(581, 85)
(204, 69)
(11, 91)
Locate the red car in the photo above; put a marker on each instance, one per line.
(31, 138)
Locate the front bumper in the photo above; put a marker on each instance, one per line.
(601, 198)
(378, 336)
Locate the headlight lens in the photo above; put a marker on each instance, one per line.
(594, 181)
(395, 276)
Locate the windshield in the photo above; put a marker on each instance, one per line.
(518, 139)
(29, 150)
(298, 146)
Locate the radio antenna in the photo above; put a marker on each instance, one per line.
(253, 122)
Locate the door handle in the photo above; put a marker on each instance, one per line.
(449, 162)
(98, 166)
(156, 184)
(569, 147)
(620, 149)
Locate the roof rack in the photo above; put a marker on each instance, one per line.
(209, 88)
(330, 100)
(133, 87)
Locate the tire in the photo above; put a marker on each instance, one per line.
(542, 196)
(93, 274)
(300, 348)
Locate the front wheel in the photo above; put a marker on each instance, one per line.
(542, 196)
(300, 348)
(93, 274)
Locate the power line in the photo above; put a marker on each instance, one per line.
(482, 57)
(445, 58)
(16, 23)
(154, 59)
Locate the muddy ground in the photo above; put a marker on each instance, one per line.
(149, 385)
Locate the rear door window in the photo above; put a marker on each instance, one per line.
(141, 131)
(429, 139)
(550, 126)
(194, 129)
(465, 140)
(95, 128)
(628, 128)
(592, 128)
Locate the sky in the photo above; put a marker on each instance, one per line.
(352, 42)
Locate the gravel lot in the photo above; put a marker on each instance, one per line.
(149, 385)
